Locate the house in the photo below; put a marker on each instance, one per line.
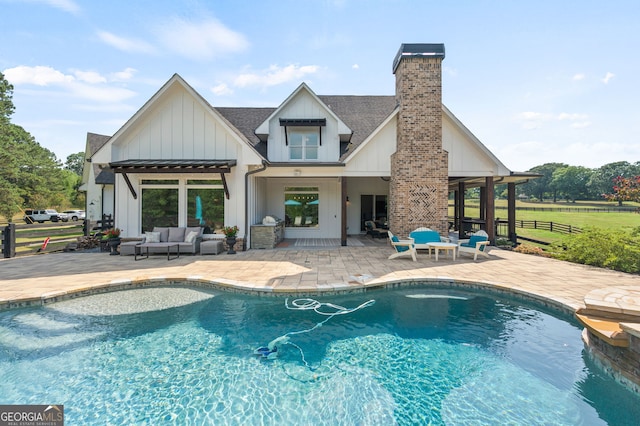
(323, 165)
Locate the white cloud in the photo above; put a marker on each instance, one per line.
(579, 77)
(608, 77)
(530, 115)
(82, 84)
(534, 120)
(89, 77)
(200, 41)
(125, 44)
(124, 75)
(221, 90)
(355, 66)
(39, 75)
(274, 75)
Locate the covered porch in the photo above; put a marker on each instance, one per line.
(464, 224)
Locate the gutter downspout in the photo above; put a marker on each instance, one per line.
(246, 200)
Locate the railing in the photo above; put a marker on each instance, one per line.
(502, 227)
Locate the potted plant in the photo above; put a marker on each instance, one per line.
(112, 237)
(230, 232)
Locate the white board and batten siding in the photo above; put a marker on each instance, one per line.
(178, 127)
(467, 155)
(373, 156)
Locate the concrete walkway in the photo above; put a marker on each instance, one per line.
(36, 278)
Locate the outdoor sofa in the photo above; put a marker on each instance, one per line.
(423, 236)
(187, 240)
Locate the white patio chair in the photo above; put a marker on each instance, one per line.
(402, 247)
(475, 245)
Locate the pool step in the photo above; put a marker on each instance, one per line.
(606, 328)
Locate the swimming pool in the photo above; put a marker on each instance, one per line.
(171, 355)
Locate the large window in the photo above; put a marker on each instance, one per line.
(162, 199)
(303, 143)
(301, 207)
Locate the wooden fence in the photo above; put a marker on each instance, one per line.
(22, 239)
(542, 225)
(566, 209)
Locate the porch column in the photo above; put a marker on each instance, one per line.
(490, 212)
(460, 209)
(343, 216)
(511, 212)
(483, 204)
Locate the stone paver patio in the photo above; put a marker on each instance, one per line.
(306, 270)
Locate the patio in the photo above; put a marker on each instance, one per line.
(294, 269)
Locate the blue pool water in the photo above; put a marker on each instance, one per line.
(416, 356)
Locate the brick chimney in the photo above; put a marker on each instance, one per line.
(418, 191)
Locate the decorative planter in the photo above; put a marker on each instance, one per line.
(113, 246)
(231, 242)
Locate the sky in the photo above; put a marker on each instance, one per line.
(536, 81)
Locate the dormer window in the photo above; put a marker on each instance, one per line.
(303, 136)
(303, 143)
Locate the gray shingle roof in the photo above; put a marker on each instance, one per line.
(95, 142)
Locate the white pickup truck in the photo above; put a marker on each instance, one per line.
(41, 216)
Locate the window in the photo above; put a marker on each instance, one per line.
(301, 207)
(303, 143)
(205, 207)
(159, 207)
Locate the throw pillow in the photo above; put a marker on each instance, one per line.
(152, 237)
(164, 233)
(191, 237)
(193, 228)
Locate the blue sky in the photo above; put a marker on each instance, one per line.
(536, 81)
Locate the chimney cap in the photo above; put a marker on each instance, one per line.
(434, 50)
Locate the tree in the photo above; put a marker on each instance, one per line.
(6, 102)
(75, 163)
(30, 174)
(541, 187)
(625, 189)
(571, 182)
(603, 179)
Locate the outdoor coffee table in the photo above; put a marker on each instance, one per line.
(443, 246)
(138, 249)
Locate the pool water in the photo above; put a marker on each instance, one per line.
(416, 356)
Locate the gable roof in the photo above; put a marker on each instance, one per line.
(363, 114)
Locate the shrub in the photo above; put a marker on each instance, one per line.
(529, 249)
(503, 242)
(612, 249)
